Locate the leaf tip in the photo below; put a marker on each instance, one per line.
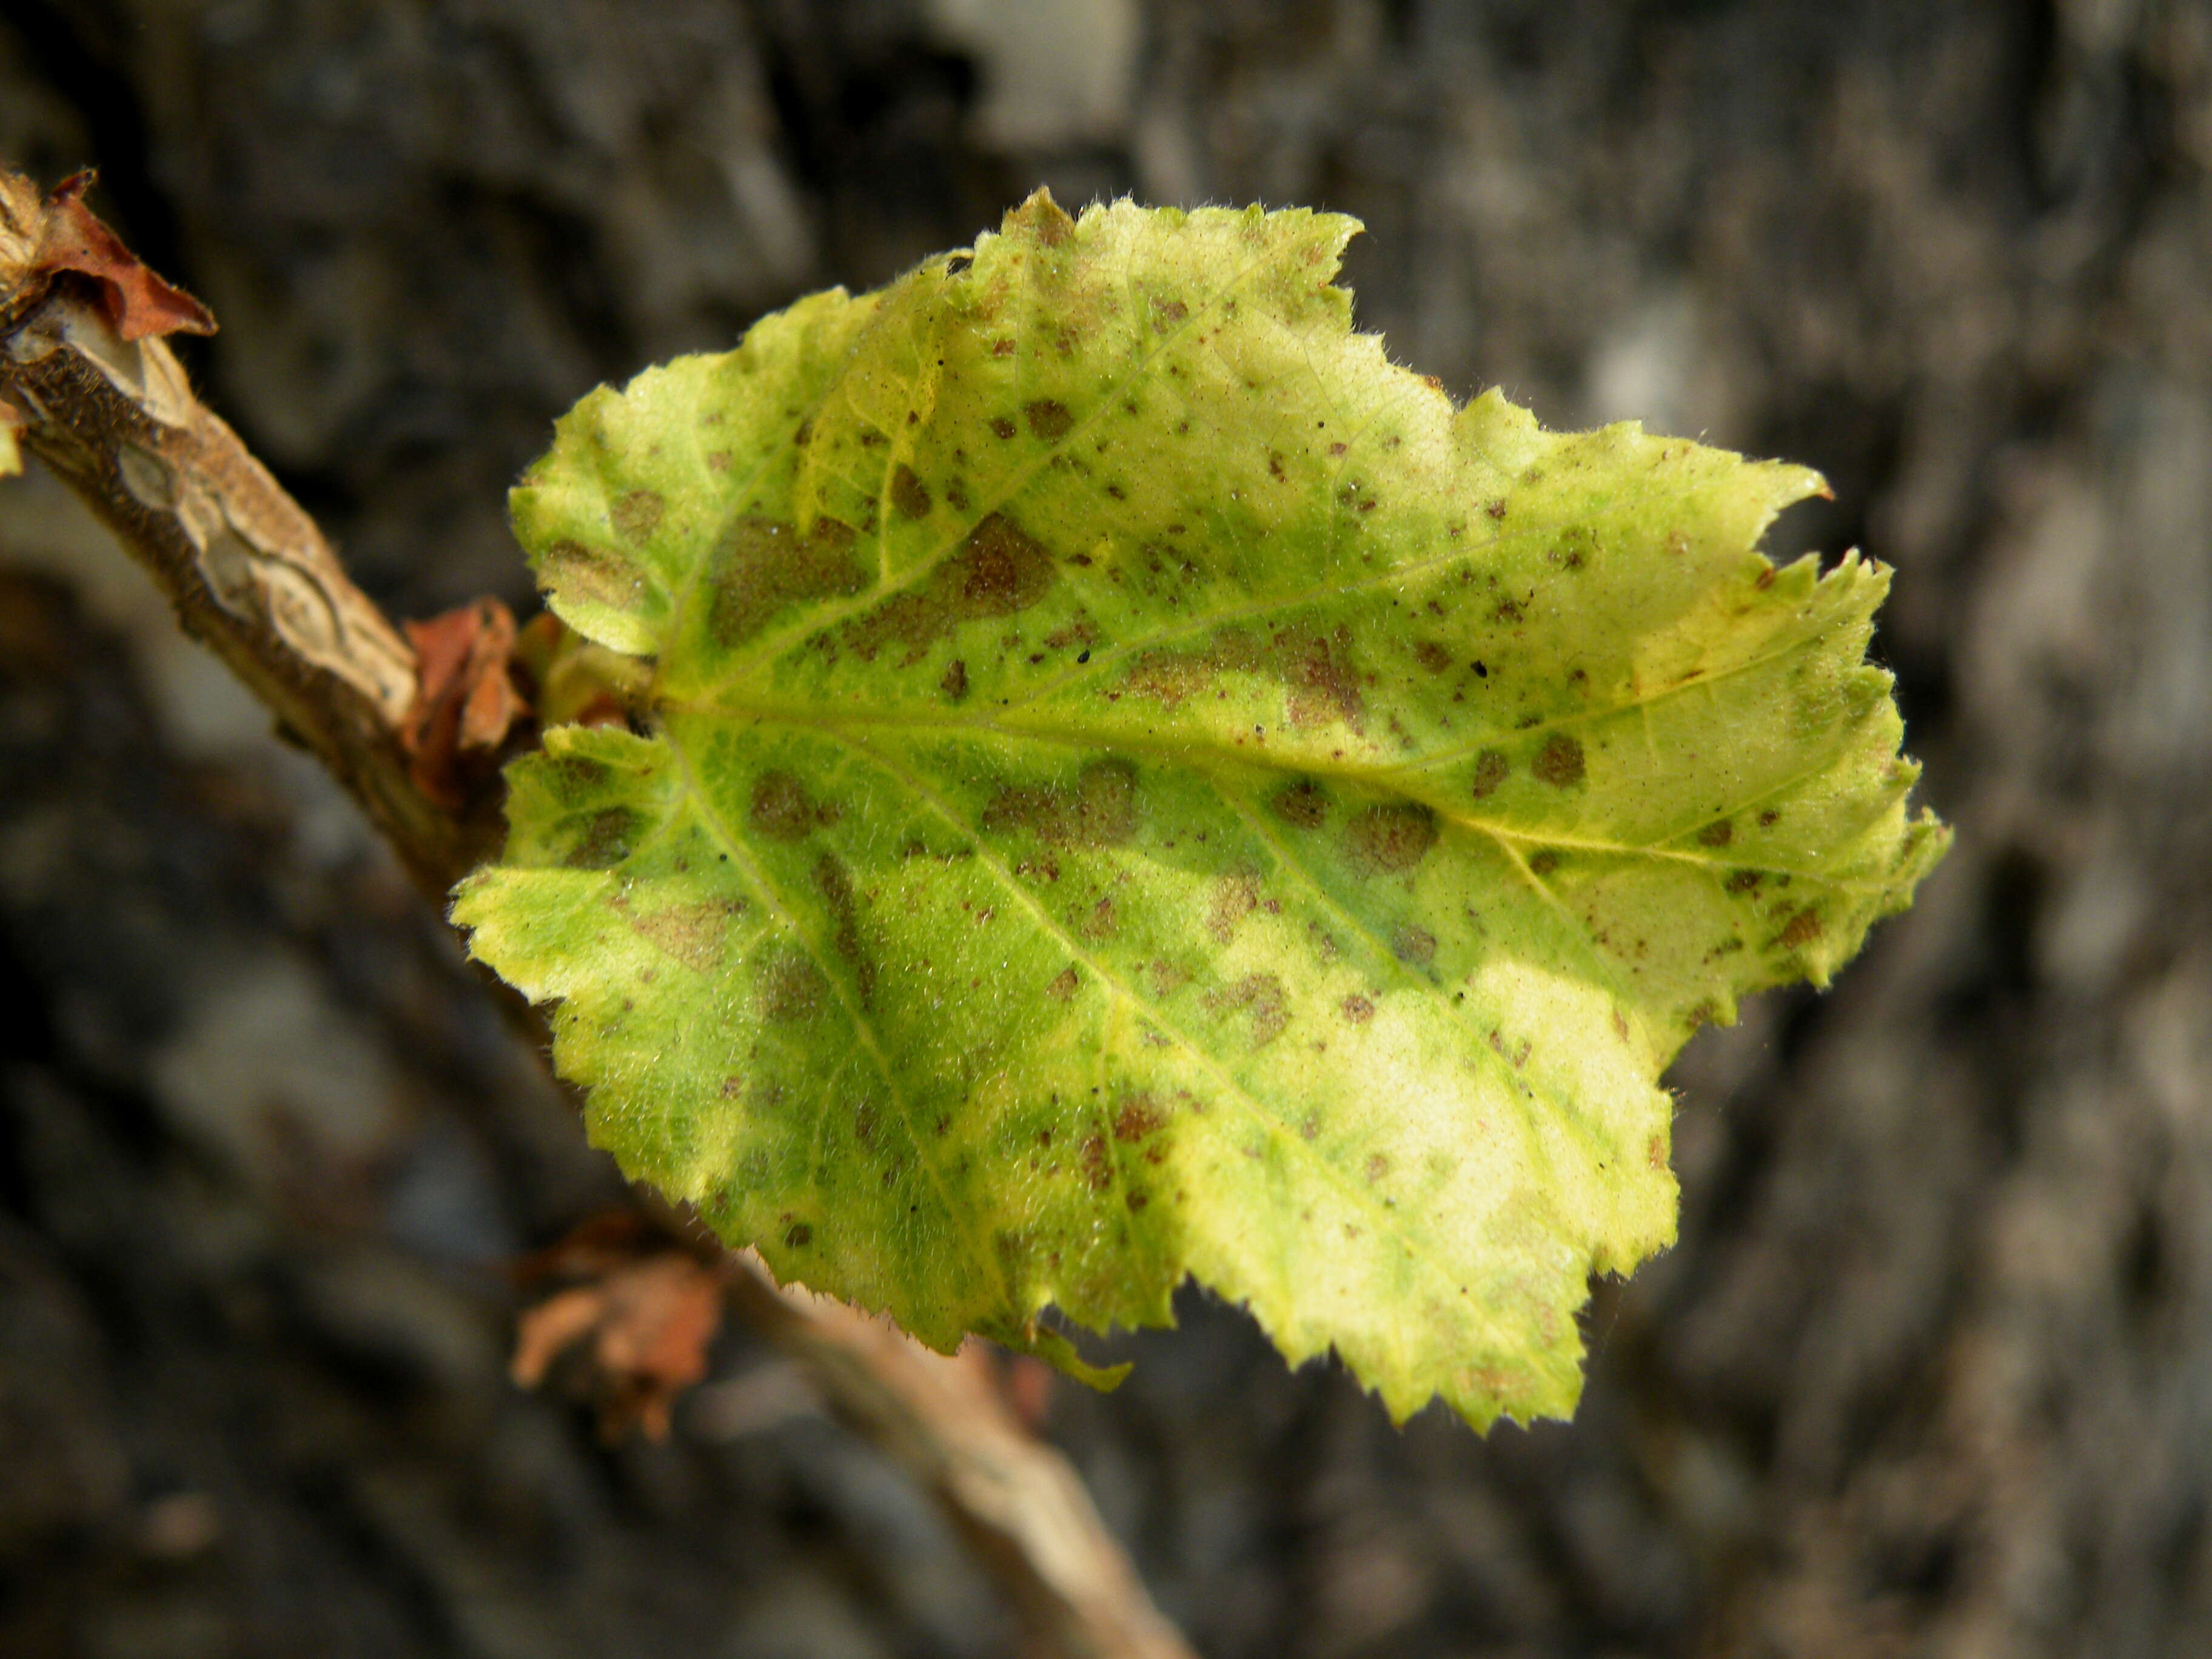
(1041, 218)
(1059, 1352)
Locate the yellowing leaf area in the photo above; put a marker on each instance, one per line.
(1135, 786)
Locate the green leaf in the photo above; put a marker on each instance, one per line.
(1139, 787)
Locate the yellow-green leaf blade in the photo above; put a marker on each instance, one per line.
(1140, 786)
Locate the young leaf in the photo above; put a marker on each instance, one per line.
(1139, 787)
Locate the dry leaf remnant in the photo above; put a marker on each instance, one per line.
(648, 1308)
(43, 240)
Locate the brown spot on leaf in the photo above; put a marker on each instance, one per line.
(1490, 769)
(1322, 685)
(1358, 1009)
(1263, 994)
(781, 810)
(1100, 809)
(692, 933)
(1743, 881)
(1235, 897)
(1768, 818)
(1063, 984)
(1803, 929)
(1413, 944)
(571, 775)
(791, 988)
(909, 493)
(1544, 860)
(1079, 630)
(636, 514)
(1048, 419)
(762, 567)
(1655, 1152)
(1140, 1115)
(1389, 840)
(591, 574)
(1101, 923)
(955, 682)
(1560, 762)
(999, 571)
(1097, 1167)
(1303, 804)
(799, 1234)
(603, 839)
(1716, 834)
(1432, 656)
(836, 890)
(1169, 313)
(1316, 672)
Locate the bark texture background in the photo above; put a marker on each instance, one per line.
(1931, 1369)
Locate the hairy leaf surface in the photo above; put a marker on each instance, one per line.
(1138, 786)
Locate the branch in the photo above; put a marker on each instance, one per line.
(1024, 1511)
(103, 403)
(88, 386)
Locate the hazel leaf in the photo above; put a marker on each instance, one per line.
(1136, 787)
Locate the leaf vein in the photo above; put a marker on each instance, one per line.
(741, 859)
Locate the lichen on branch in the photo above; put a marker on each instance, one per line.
(88, 384)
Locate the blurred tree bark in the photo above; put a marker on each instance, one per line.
(1931, 1369)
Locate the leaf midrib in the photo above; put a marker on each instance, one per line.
(1210, 757)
